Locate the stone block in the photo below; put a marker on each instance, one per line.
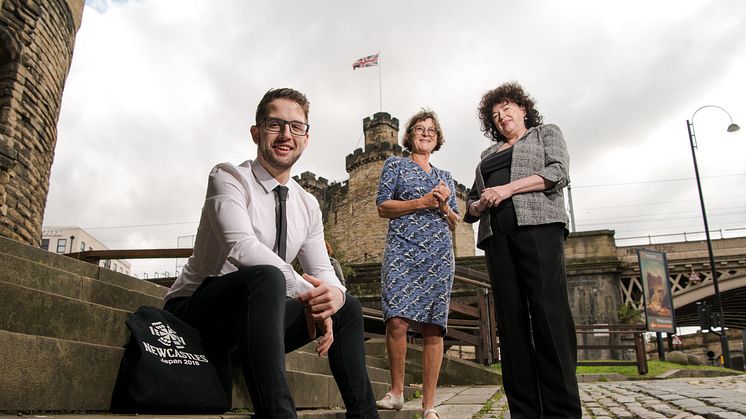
(677, 357)
(41, 373)
(33, 312)
(38, 276)
(44, 257)
(119, 279)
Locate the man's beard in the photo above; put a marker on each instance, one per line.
(278, 164)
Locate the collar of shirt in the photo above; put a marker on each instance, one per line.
(262, 176)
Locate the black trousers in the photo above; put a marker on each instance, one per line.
(247, 311)
(537, 333)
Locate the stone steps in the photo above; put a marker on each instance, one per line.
(39, 313)
(62, 331)
(453, 371)
(71, 266)
(107, 288)
(305, 359)
(66, 375)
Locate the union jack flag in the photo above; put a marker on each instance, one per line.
(368, 61)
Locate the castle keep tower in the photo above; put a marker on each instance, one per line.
(36, 48)
(353, 226)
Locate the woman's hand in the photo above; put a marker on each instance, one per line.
(442, 192)
(429, 200)
(491, 197)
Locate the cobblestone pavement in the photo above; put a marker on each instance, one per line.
(685, 398)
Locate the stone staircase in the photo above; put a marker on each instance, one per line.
(62, 331)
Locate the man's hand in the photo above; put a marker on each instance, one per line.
(324, 342)
(323, 300)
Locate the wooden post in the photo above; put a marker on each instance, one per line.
(641, 356)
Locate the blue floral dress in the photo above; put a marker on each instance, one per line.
(418, 264)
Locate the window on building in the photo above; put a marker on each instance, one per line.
(45, 244)
(107, 264)
(82, 246)
(114, 268)
(61, 244)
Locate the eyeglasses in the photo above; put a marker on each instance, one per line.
(278, 125)
(428, 132)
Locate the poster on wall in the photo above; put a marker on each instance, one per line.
(656, 291)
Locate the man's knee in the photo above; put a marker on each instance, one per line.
(266, 279)
(351, 308)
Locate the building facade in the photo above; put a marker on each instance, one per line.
(351, 220)
(36, 48)
(65, 239)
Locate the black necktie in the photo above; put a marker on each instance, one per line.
(281, 220)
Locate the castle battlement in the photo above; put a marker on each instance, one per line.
(373, 152)
(308, 180)
(380, 118)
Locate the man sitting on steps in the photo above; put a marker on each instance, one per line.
(238, 287)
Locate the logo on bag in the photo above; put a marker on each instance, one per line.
(170, 343)
(166, 335)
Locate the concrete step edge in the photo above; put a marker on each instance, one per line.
(66, 264)
(68, 375)
(64, 375)
(39, 313)
(31, 274)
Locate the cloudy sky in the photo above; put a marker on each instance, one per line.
(160, 91)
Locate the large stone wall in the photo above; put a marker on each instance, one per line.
(36, 48)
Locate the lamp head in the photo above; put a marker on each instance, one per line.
(733, 127)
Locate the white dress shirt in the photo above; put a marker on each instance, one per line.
(237, 228)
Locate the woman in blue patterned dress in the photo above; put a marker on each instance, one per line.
(417, 270)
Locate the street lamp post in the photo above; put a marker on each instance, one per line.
(693, 143)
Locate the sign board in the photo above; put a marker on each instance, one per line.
(656, 290)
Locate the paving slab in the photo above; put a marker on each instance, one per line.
(626, 399)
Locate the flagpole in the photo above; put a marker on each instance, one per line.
(380, 90)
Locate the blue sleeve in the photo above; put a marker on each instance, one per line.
(389, 179)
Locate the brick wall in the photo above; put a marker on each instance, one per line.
(36, 47)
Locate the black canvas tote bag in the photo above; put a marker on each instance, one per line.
(165, 369)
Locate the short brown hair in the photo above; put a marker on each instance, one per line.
(422, 115)
(506, 92)
(262, 109)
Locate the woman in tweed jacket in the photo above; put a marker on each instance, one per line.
(517, 198)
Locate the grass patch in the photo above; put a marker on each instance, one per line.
(655, 368)
(487, 408)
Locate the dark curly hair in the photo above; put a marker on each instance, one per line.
(510, 92)
(422, 115)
